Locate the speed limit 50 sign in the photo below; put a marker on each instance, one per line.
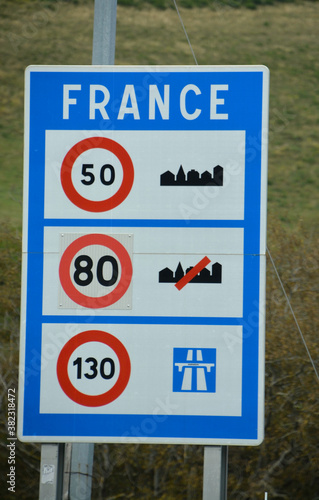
(144, 240)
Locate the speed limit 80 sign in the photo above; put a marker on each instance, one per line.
(95, 271)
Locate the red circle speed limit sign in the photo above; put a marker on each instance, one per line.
(95, 270)
(93, 368)
(98, 174)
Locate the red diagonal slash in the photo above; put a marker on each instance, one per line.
(192, 273)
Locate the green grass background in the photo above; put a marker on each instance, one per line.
(284, 37)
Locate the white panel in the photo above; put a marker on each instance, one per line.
(150, 348)
(152, 153)
(173, 240)
(153, 298)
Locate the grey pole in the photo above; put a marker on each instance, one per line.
(215, 473)
(80, 471)
(51, 471)
(104, 32)
(66, 470)
(79, 456)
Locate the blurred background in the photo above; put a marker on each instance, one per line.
(284, 37)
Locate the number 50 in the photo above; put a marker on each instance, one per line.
(90, 177)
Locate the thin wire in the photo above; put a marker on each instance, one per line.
(271, 259)
(187, 37)
(293, 314)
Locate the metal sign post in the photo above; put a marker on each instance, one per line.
(71, 464)
(78, 467)
(104, 32)
(51, 471)
(215, 473)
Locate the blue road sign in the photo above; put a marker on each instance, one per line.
(194, 370)
(144, 240)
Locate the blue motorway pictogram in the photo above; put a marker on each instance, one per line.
(194, 370)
